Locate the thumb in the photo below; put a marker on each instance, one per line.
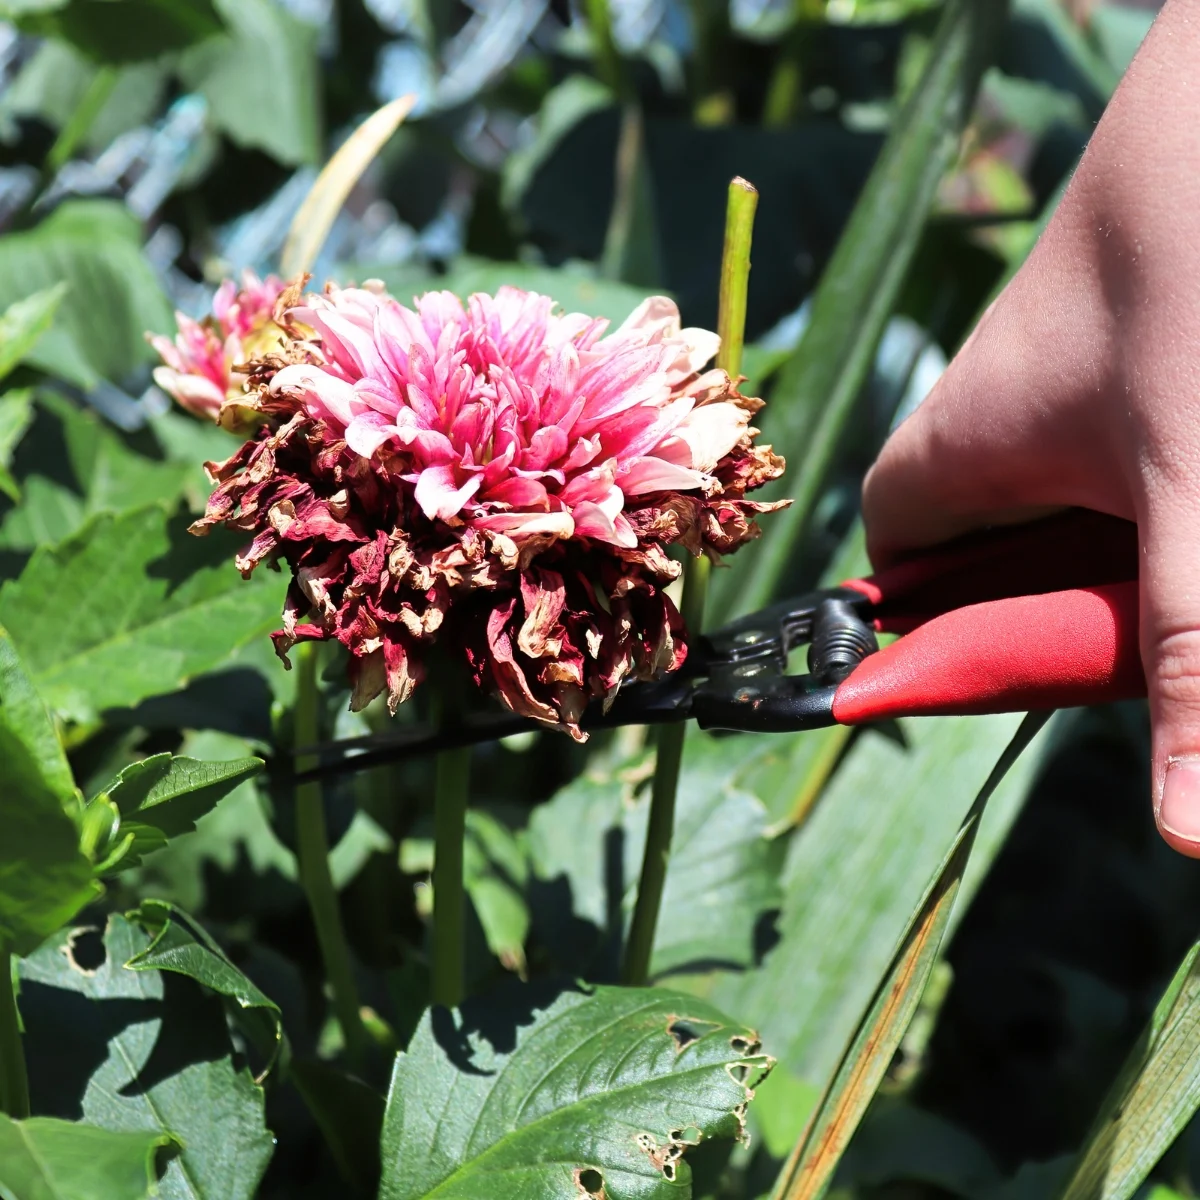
(1170, 606)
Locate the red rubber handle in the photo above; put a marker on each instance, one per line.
(1033, 616)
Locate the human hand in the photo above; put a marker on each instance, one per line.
(1081, 386)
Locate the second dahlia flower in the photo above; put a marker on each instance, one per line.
(498, 476)
(202, 365)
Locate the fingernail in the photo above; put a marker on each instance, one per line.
(1180, 810)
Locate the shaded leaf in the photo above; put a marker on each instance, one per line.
(46, 1159)
(1153, 1098)
(181, 944)
(864, 1062)
(159, 611)
(112, 297)
(44, 877)
(164, 1061)
(349, 1115)
(23, 322)
(117, 31)
(723, 873)
(876, 836)
(108, 475)
(261, 80)
(590, 1091)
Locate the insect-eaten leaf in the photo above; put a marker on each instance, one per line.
(540, 1096)
(143, 1051)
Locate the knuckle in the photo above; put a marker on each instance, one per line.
(1175, 668)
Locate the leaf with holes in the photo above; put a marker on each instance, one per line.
(161, 607)
(536, 1097)
(156, 1054)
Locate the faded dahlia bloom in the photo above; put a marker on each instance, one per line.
(203, 365)
(500, 477)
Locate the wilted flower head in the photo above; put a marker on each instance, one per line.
(497, 475)
(202, 364)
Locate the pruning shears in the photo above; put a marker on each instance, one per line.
(1035, 616)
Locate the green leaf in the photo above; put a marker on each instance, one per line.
(563, 107)
(815, 393)
(166, 1068)
(44, 877)
(1153, 1098)
(117, 31)
(495, 873)
(575, 288)
(16, 412)
(109, 476)
(877, 835)
(349, 1115)
(165, 795)
(723, 873)
(159, 610)
(112, 298)
(181, 944)
(47, 1159)
(24, 322)
(809, 1169)
(592, 1094)
(262, 81)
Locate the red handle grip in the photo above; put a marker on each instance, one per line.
(1054, 650)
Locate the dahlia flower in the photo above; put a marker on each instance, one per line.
(498, 476)
(203, 365)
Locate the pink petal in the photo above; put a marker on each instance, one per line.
(438, 495)
(656, 475)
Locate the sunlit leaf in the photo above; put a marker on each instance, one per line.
(47, 1159)
(160, 609)
(1154, 1097)
(590, 1093)
(807, 1173)
(24, 322)
(94, 247)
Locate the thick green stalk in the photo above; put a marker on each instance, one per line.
(814, 397)
(449, 901)
(312, 853)
(731, 323)
(14, 1082)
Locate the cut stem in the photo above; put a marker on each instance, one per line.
(312, 853)
(449, 902)
(14, 1081)
(731, 323)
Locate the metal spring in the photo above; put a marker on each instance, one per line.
(840, 641)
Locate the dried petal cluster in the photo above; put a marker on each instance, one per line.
(498, 476)
(203, 365)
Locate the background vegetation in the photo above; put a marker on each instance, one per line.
(150, 147)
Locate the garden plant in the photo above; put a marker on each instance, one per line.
(373, 370)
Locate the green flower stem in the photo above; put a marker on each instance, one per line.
(312, 853)
(731, 323)
(14, 1082)
(449, 904)
(94, 98)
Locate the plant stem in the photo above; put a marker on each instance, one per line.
(449, 904)
(312, 853)
(731, 323)
(94, 98)
(14, 1082)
